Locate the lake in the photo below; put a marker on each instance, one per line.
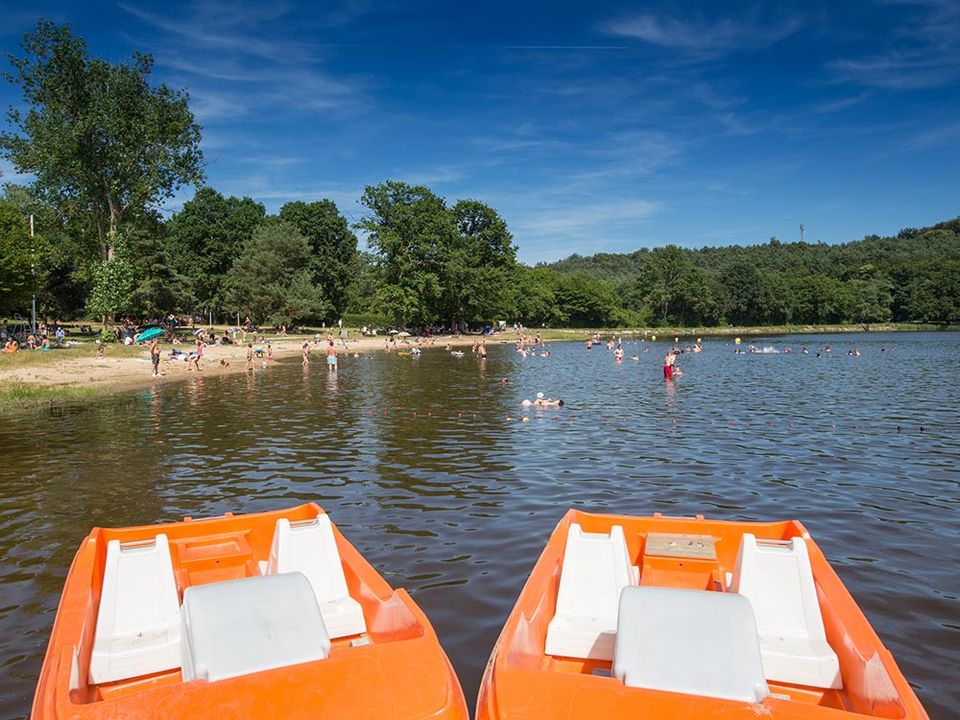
(428, 468)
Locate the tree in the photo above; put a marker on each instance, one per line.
(270, 278)
(537, 299)
(586, 302)
(819, 299)
(97, 137)
(410, 231)
(63, 254)
(872, 295)
(933, 292)
(479, 267)
(333, 247)
(205, 238)
(159, 288)
(114, 281)
(17, 261)
(676, 290)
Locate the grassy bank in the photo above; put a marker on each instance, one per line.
(19, 396)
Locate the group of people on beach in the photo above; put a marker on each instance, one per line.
(46, 337)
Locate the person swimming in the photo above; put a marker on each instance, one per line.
(542, 401)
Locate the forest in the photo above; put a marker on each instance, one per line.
(105, 149)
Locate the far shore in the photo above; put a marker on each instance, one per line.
(40, 379)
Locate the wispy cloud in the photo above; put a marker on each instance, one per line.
(586, 219)
(932, 138)
(924, 52)
(826, 107)
(700, 36)
(236, 61)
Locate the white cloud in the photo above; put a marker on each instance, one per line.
(700, 36)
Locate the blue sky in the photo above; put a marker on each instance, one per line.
(590, 126)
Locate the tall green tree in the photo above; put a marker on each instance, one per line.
(114, 281)
(99, 139)
(18, 267)
(410, 231)
(205, 238)
(64, 254)
(872, 295)
(333, 248)
(479, 267)
(676, 291)
(270, 279)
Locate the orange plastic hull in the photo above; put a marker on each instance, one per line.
(401, 673)
(522, 683)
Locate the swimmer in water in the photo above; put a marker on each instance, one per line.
(542, 401)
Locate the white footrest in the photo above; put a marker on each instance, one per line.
(689, 641)
(238, 627)
(309, 547)
(596, 568)
(777, 579)
(138, 622)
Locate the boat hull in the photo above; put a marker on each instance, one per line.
(399, 671)
(521, 682)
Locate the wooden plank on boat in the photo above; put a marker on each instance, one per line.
(697, 547)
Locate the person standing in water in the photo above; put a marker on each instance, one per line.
(331, 357)
(668, 361)
(306, 354)
(250, 356)
(155, 356)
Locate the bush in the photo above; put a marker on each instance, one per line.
(108, 336)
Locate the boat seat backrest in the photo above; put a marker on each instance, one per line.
(309, 547)
(696, 642)
(596, 568)
(239, 627)
(777, 579)
(138, 621)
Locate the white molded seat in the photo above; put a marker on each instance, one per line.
(237, 627)
(309, 547)
(596, 568)
(138, 622)
(777, 579)
(696, 642)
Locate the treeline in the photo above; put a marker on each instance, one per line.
(105, 148)
(912, 277)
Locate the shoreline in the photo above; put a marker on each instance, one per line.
(55, 380)
(80, 377)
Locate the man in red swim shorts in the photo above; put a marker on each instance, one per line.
(668, 361)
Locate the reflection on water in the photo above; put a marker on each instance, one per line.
(417, 463)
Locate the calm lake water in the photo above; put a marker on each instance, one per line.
(417, 463)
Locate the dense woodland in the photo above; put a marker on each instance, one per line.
(106, 148)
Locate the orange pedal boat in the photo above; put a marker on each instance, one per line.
(668, 618)
(267, 615)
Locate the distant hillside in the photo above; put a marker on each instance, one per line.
(940, 241)
(914, 276)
